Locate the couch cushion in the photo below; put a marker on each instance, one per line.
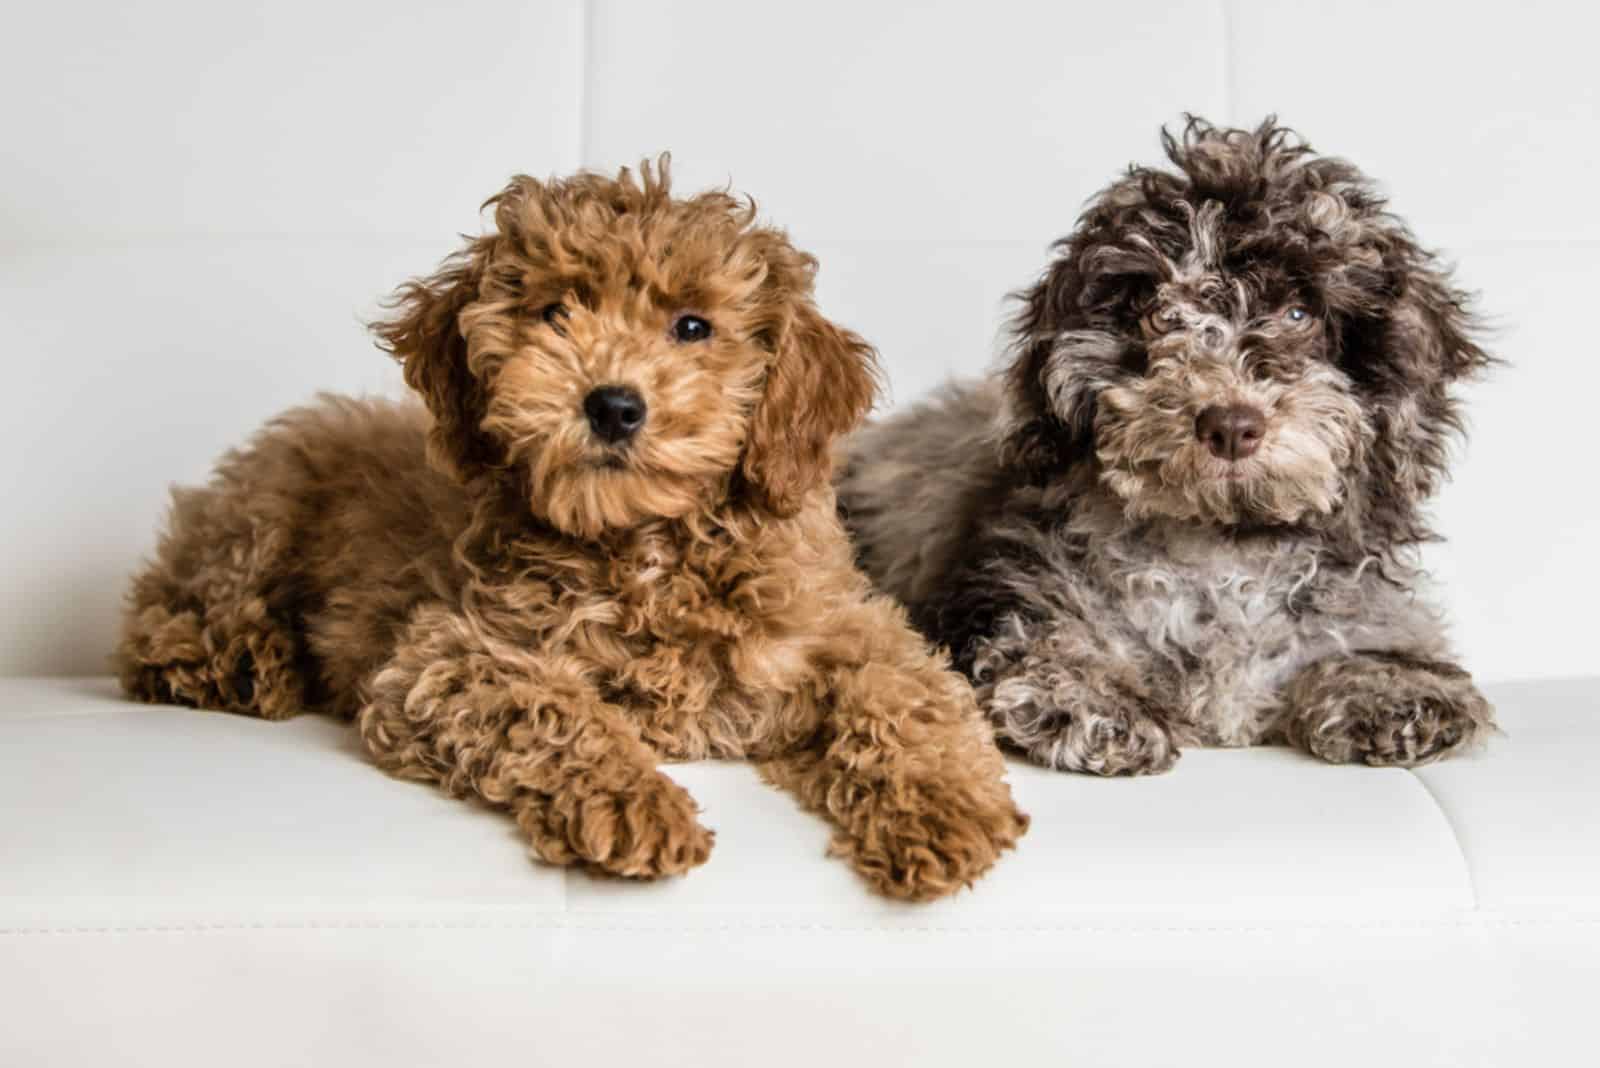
(180, 876)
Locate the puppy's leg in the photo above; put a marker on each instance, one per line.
(210, 622)
(902, 762)
(1073, 698)
(1383, 709)
(529, 733)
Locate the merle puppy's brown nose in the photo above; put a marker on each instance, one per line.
(615, 412)
(1231, 431)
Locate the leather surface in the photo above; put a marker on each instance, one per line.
(202, 203)
(180, 887)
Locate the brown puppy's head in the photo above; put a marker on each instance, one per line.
(625, 355)
(1248, 340)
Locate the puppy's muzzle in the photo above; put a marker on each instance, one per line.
(615, 413)
(1231, 432)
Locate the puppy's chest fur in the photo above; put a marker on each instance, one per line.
(1220, 624)
(689, 636)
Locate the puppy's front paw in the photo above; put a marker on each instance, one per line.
(1385, 709)
(925, 840)
(645, 832)
(1071, 728)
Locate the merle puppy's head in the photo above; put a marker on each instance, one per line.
(1247, 340)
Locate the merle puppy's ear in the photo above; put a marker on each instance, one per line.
(820, 384)
(1030, 434)
(1414, 340)
(1429, 329)
(1068, 343)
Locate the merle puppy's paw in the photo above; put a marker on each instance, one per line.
(1071, 727)
(1385, 709)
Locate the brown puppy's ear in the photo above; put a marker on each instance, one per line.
(425, 335)
(821, 384)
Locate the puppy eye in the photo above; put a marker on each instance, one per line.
(1297, 314)
(554, 314)
(690, 328)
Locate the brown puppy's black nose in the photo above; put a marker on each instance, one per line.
(615, 412)
(1232, 431)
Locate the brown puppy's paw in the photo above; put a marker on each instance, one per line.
(1385, 710)
(646, 832)
(173, 658)
(162, 659)
(925, 840)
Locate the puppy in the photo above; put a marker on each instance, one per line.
(1186, 512)
(608, 541)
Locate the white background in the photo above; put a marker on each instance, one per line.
(200, 202)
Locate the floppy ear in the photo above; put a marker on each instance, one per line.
(1421, 342)
(1408, 350)
(821, 384)
(1058, 364)
(1029, 435)
(1430, 328)
(425, 334)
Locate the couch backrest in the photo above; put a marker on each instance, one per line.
(200, 202)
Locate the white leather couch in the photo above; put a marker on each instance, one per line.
(190, 888)
(200, 202)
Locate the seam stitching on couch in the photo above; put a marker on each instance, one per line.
(1455, 835)
(567, 924)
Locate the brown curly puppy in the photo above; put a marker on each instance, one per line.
(1188, 510)
(609, 541)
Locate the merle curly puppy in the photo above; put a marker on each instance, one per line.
(1187, 512)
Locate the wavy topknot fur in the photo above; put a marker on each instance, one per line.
(1186, 509)
(608, 539)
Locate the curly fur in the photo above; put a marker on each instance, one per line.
(518, 611)
(1115, 587)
